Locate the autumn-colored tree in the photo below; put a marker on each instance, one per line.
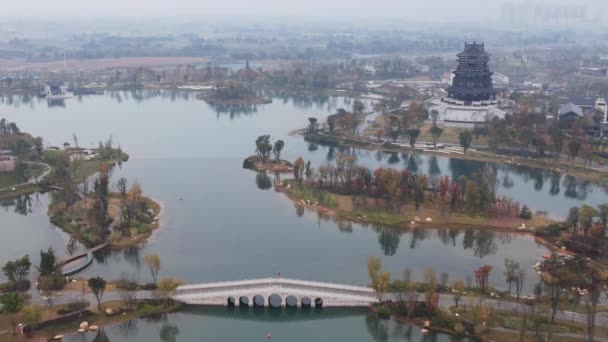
(153, 262)
(481, 278)
(166, 289)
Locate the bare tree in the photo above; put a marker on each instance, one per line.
(127, 290)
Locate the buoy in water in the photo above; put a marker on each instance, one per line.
(269, 336)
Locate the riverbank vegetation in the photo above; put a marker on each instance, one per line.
(479, 310)
(402, 198)
(233, 92)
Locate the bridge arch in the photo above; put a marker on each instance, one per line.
(258, 300)
(231, 302)
(291, 301)
(243, 301)
(318, 302)
(305, 301)
(275, 301)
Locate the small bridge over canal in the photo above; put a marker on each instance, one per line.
(276, 292)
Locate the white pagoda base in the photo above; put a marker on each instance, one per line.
(457, 111)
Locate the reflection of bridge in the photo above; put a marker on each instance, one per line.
(275, 292)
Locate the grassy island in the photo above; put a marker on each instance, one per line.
(401, 199)
(233, 93)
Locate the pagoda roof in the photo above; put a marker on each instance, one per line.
(473, 50)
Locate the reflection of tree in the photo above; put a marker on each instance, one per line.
(482, 242)
(299, 210)
(234, 110)
(379, 156)
(453, 235)
(418, 234)
(263, 181)
(345, 226)
(394, 158)
(570, 184)
(389, 240)
(71, 246)
(434, 169)
(507, 181)
(131, 255)
(331, 153)
(128, 329)
(313, 147)
(168, 333)
(377, 327)
(555, 180)
(101, 336)
(23, 205)
(412, 164)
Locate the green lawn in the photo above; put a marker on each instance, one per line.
(8, 179)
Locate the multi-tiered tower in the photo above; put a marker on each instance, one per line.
(472, 79)
(471, 98)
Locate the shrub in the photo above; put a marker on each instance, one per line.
(525, 213)
(384, 311)
(553, 230)
(442, 320)
(459, 328)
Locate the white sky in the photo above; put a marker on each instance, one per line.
(201, 7)
(422, 10)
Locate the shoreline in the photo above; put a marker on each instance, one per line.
(582, 172)
(343, 215)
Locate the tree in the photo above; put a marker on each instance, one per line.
(430, 280)
(413, 134)
(572, 219)
(153, 262)
(122, 187)
(358, 107)
(17, 271)
(436, 132)
(574, 147)
(434, 116)
(263, 146)
(128, 290)
(167, 287)
(603, 213)
(465, 137)
(12, 303)
(374, 266)
(586, 216)
(97, 286)
(511, 269)
(457, 291)
(481, 278)
(331, 122)
(48, 262)
(312, 126)
(394, 133)
(298, 169)
(277, 148)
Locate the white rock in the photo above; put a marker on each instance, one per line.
(428, 219)
(93, 328)
(84, 325)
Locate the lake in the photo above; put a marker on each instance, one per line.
(218, 225)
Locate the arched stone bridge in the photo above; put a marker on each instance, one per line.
(275, 292)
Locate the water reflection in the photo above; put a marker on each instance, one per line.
(263, 181)
(169, 332)
(389, 240)
(22, 203)
(234, 110)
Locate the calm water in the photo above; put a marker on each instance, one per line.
(218, 225)
(222, 324)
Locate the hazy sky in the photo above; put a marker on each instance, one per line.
(423, 10)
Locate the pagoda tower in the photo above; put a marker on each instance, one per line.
(472, 79)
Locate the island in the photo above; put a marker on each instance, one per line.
(233, 93)
(261, 162)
